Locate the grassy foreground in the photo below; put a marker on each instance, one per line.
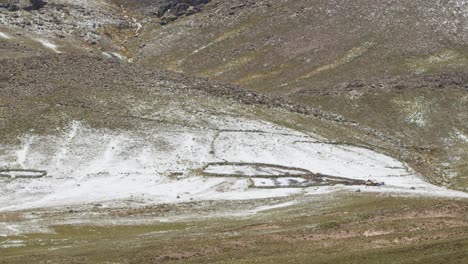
(347, 229)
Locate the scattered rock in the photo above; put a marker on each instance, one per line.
(454, 80)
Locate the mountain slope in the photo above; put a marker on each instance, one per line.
(399, 68)
(193, 131)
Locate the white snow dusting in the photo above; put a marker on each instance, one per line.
(87, 165)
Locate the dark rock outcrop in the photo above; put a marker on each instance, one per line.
(37, 4)
(172, 9)
(15, 5)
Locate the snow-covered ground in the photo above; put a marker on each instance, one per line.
(161, 165)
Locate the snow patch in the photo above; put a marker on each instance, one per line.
(86, 165)
(4, 35)
(12, 244)
(23, 152)
(417, 118)
(118, 55)
(271, 207)
(49, 45)
(107, 55)
(461, 136)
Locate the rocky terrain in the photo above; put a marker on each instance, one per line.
(293, 128)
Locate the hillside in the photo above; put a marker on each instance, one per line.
(397, 68)
(209, 131)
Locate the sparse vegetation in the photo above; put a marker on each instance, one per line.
(365, 229)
